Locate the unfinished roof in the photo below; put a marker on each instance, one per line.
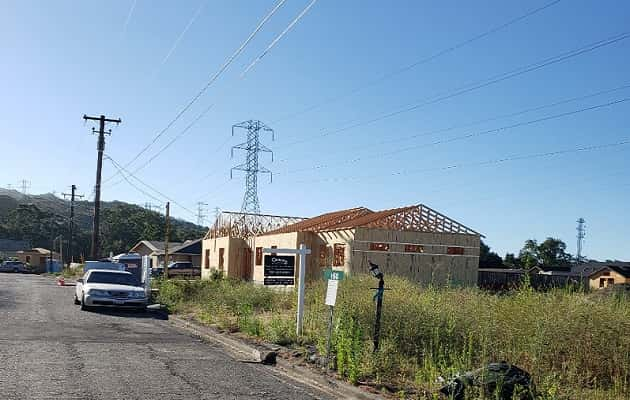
(245, 225)
(419, 218)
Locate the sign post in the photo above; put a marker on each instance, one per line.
(331, 299)
(280, 269)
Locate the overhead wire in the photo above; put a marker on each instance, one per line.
(580, 149)
(127, 173)
(462, 137)
(277, 39)
(405, 68)
(214, 77)
(476, 85)
(486, 120)
(129, 15)
(170, 143)
(181, 35)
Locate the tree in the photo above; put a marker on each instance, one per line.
(528, 255)
(487, 258)
(549, 254)
(552, 253)
(511, 261)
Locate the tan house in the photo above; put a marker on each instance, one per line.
(416, 242)
(609, 276)
(37, 258)
(189, 250)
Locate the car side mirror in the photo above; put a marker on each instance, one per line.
(80, 280)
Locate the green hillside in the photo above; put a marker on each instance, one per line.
(40, 218)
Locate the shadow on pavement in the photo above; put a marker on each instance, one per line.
(128, 313)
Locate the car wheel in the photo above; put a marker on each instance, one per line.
(76, 300)
(83, 306)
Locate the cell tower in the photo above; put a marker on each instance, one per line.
(581, 229)
(251, 167)
(201, 212)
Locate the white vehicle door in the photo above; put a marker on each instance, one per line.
(79, 287)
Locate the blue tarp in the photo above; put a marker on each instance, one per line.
(53, 266)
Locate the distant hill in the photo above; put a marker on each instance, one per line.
(40, 218)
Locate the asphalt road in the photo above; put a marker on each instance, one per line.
(49, 349)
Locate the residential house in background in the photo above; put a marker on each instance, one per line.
(189, 250)
(609, 276)
(37, 258)
(415, 242)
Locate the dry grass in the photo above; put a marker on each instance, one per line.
(575, 345)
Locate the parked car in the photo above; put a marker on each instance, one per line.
(179, 268)
(109, 288)
(13, 266)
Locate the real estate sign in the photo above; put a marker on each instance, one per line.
(279, 270)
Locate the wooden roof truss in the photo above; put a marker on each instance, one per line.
(245, 225)
(414, 218)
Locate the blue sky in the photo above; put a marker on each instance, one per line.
(67, 58)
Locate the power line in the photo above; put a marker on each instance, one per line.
(169, 144)
(490, 119)
(214, 77)
(623, 142)
(125, 173)
(464, 137)
(422, 61)
(128, 19)
(214, 191)
(277, 39)
(477, 85)
(181, 35)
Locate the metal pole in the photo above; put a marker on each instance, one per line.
(379, 309)
(300, 309)
(329, 341)
(168, 226)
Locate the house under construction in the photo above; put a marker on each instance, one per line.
(415, 242)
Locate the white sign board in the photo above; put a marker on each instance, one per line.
(331, 292)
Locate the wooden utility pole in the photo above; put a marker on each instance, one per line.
(73, 196)
(97, 188)
(168, 230)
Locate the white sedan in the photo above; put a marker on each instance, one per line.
(109, 288)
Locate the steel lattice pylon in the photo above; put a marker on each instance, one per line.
(252, 146)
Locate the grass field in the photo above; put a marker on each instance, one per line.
(575, 345)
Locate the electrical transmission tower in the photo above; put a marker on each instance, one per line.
(252, 146)
(153, 207)
(201, 212)
(25, 185)
(581, 229)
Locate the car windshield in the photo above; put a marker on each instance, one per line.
(113, 278)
